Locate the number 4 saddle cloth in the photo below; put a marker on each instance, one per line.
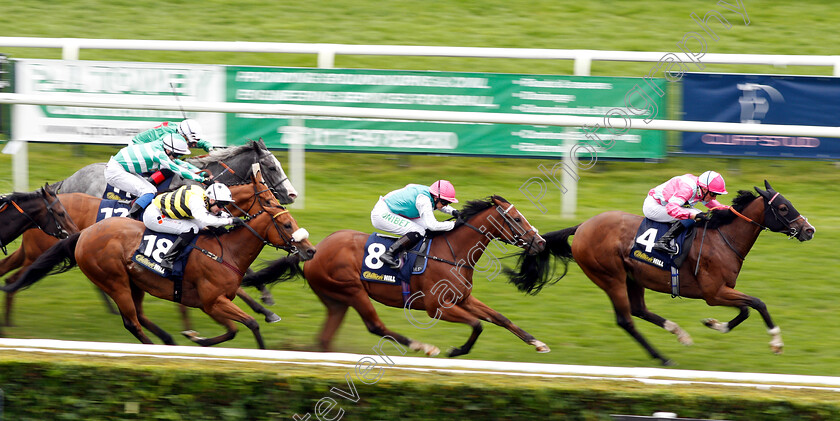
(650, 231)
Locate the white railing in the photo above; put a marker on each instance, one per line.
(70, 48)
(296, 155)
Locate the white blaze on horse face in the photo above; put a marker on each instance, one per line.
(286, 183)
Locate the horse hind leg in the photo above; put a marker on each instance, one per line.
(137, 295)
(623, 315)
(638, 308)
(14, 261)
(225, 313)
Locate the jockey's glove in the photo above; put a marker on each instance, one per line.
(703, 216)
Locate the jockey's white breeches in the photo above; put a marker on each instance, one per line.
(155, 221)
(653, 210)
(385, 220)
(118, 177)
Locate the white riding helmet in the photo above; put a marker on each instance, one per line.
(191, 130)
(176, 144)
(219, 192)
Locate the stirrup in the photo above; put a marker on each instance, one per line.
(665, 248)
(394, 263)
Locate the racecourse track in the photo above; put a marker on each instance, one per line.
(422, 364)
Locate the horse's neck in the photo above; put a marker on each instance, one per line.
(744, 233)
(243, 246)
(469, 244)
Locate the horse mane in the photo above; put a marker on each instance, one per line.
(20, 196)
(725, 216)
(474, 207)
(221, 154)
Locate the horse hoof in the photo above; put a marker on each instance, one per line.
(543, 349)
(454, 352)
(269, 301)
(272, 318)
(192, 335)
(668, 363)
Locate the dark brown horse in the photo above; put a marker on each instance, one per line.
(103, 253)
(83, 210)
(602, 244)
(443, 290)
(40, 209)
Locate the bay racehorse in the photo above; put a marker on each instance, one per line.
(91, 179)
(334, 275)
(602, 244)
(103, 253)
(83, 209)
(40, 209)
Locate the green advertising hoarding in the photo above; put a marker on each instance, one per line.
(438, 91)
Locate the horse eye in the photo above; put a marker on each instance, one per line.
(288, 225)
(783, 210)
(517, 219)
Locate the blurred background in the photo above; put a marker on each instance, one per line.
(574, 317)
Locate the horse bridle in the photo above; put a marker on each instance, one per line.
(59, 232)
(296, 237)
(790, 230)
(518, 239)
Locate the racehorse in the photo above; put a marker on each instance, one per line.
(103, 253)
(83, 209)
(39, 209)
(91, 178)
(602, 244)
(334, 275)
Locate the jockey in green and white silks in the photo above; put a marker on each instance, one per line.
(408, 212)
(189, 129)
(123, 169)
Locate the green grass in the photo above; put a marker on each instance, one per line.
(573, 317)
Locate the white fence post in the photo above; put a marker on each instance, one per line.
(297, 160)
(20, 164)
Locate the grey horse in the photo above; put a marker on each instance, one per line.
(91, 179)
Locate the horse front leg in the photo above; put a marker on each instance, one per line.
(733, 298)
(484, 312)
(270, 316)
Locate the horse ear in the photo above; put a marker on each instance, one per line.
(767, 186)
(763, 193)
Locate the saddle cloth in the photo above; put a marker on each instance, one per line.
(374, 270)
(649, 231)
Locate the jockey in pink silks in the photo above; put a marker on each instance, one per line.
(673, 201)
(408, 212)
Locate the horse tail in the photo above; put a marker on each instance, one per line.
(280, 270)
(534, 271)
(59, 258)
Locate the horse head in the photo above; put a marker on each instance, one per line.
(781, 216)
(286, 233)
(52, 218)
(498, 219)
(234, 165)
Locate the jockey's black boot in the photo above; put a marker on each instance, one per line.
(136, 211)
(663, 244)
(183, 241)
(406, 242)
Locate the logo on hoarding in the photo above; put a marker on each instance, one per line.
(753, 106)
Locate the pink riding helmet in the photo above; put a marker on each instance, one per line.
(444, 190)
(712, 181)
